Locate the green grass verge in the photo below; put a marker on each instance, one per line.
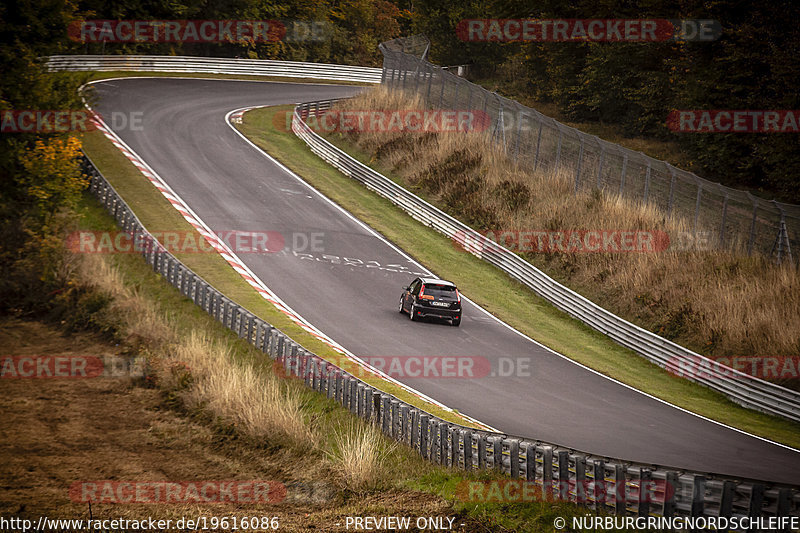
(411, 471)
(496, 292)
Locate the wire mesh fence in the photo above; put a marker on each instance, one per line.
(728, 218)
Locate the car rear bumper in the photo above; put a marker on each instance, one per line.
(437, 312)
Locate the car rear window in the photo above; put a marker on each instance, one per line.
(445, 291)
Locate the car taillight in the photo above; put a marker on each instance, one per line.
(458, 295)
(424, 296)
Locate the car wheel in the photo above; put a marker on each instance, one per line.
(457, 321)
(412, 311)
(400, 310)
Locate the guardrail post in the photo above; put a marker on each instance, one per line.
(698, 495)
(414, 413)
(580, 479)
(466, 438)
(563, 475)
(670, 493)
(386, 415)
(394, 419)
(424, 428)
(442, 440)
(599, 486)
(513, 457)
(482, 459)
(547, 472)
(530, 462)
(756, 500)
(620, 496)
(353, 405)
(645, 492)
(376, 408)
(405, 426)
(497, 453)
(338, 387)
(726, 498)
(454, 446)
(784, 504)
(360, 400)
(309, 369)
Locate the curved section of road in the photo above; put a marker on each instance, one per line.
(349, 287)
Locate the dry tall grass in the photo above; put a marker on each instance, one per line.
(362, 454)
(205, 375)
(718, 303)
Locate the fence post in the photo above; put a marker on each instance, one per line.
(441, 91)
(558, 151)
(600, 164)
(697, 205)
(622, 174)
(724, 216)
(578, 168)
(752, 224)
(671, 190)
(519, 134)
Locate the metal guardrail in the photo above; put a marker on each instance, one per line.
(214, 65)
(742, 388)
(598, 483)
(724, 217)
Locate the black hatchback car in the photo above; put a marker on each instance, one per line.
(431, 297)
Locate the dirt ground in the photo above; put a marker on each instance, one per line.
(59, 431)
